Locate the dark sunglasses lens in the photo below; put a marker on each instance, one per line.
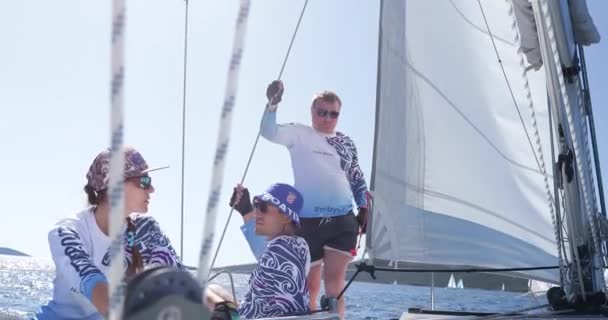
(262, 206)
(145, 182)
(324, 113)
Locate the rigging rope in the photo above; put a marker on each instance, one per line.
(223, 140)
(181, 239)
(293, 37)
(539, 158)
(116, 184)
(553, 205)
(589, 112)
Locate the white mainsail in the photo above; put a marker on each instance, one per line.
(456, 180)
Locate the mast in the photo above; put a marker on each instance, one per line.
(370, 219)
(583, 278)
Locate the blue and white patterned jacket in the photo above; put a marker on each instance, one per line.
(277, 286)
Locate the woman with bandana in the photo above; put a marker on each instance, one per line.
(80, 244)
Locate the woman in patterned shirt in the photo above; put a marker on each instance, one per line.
(277, 286)
(80, 244)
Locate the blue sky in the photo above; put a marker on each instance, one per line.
(54, 106)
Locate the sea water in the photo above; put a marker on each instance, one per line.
(27, 283)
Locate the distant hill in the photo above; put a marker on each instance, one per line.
(475, 280)
(488, 281)
(12, 252)
(240, 268)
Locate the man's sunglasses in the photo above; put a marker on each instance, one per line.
(324, 113)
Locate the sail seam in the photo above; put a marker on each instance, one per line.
(453, 105)
(421, 165)
(511, 92)
(437, 194)
(468, 21)
(487, 211)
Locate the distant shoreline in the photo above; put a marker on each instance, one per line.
(12, 252)
(486, 281)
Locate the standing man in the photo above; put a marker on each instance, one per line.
(327, 173)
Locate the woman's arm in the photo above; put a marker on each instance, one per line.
(74, 262)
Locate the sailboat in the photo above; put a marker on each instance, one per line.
(484, 157)
(452, 281)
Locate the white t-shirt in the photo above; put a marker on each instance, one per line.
(325, 167)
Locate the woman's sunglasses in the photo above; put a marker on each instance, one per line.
(262, 206)
(144, 182)
(324, 113)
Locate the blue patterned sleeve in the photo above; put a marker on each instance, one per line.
(357, 181)
(73, 261)
(349, 161)
(153, 244)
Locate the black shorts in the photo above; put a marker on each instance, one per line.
(337, 233)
